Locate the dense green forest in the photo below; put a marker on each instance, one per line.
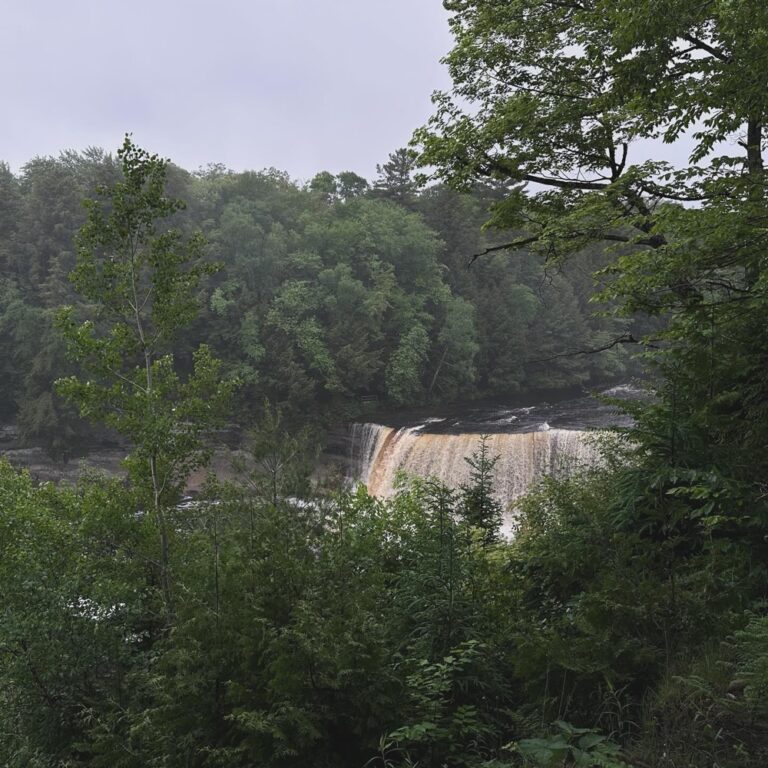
(330, 294)
(624, 624)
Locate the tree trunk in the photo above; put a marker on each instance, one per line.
(755, 171)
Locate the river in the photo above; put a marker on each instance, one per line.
(532, 438)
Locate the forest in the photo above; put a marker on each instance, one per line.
(521, 243)
(329, 295)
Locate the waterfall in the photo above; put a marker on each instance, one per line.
(379, 453)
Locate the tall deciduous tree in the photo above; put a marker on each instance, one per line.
(406, 367)
(562, 93)
(560, 96)
(141, 279)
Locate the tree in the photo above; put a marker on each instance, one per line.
(325, 185)
(457, 348)
(562, 105)
(75, 582)
(478, 506)
(406, 367)
(278, 464)
(141, 280)
(559, 96)
(10, 208)
(395, 180)
(351, 185)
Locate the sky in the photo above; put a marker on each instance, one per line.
(298, 85)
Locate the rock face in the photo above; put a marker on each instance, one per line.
(379, 453)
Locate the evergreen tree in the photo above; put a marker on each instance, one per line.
(395, 181)
(478, 506)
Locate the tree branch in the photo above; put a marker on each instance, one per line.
(626, 338)
(511, 171)
(503, 247)
(550, 181)
(655, 191)
(652, 242)
(718, 53)
(655, 241)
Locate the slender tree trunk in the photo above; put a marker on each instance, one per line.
(162, 525)
(437, 371)
(755, 149)
(756, 172)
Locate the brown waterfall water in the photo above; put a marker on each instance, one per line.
(532, 441)
(381, 453)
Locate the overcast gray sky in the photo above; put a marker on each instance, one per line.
(301, 85)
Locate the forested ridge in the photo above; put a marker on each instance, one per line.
(331, 293)
(268, 624)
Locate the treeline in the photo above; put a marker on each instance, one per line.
(330, 293)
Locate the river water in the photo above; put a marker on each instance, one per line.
(532, 439)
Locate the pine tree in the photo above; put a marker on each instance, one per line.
(478, 507)
(395, 180)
